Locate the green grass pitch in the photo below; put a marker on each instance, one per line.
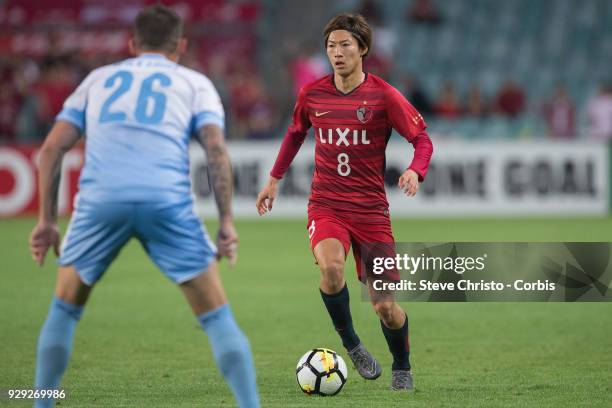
(139, 346)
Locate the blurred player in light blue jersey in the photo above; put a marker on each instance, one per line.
(138, 116)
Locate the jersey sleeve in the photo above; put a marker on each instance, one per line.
(207, 109)
(294, 137)
(74, 107)
(409, 123)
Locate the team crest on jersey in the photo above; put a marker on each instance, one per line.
(364, 114)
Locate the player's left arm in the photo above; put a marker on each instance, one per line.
(45, 235)
(69, 125)
(410, 124)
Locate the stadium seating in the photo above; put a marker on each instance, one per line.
(536, 43)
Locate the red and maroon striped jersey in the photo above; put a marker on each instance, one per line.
(351, 133)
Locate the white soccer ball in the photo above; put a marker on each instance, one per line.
(321, 372)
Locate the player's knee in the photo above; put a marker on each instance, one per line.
(333, 272)
(70, 288)
(384, 310)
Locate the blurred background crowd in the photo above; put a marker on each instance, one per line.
(473, 68)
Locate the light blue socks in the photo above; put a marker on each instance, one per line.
(232, 354)
(54, 346)
(230, 348)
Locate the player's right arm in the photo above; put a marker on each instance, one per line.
(220, 178)
(209, 118)
(293, 140)
(45, 235)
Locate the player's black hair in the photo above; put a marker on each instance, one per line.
(354, 24)
(157, 28)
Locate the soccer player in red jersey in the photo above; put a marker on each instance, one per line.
(353, 113)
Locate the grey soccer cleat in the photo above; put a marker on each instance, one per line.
(367, 366)
(401, 380)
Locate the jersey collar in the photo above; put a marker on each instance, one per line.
(152, 55)
(354, 89)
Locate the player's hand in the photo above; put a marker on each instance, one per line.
(266, 196)
(227, 242)
(409, 182)
(44, 236)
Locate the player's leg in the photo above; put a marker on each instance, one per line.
(94, 238)
(377, 239)
(55, 339)
(330, 242)
(176, 241)
(394, 325)
(205, 292)
(330, 256)
(231, 349)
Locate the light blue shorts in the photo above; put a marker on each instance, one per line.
(171, 234)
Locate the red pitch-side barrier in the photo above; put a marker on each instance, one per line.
(19, 180)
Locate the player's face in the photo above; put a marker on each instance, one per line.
(344, 53)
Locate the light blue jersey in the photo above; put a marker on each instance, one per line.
(138, 116)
